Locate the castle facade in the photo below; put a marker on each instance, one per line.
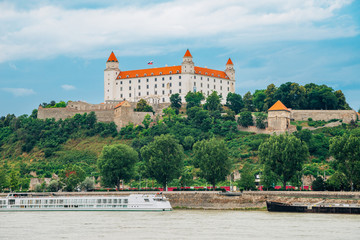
(156, 85)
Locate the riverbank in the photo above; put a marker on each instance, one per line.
(248, 200)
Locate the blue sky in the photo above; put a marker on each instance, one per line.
(56, 50)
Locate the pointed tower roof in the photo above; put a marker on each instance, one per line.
(229, 62)
(112, 58)
(278, 106)
(188, 54)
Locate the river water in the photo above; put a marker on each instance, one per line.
(178, 224)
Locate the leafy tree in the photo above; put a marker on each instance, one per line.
(146, 121)
(88, 184)
(71, 177)
(261, 120)
(164, 158)
(54, 186)
(342, 104)
(117, 162)
(3, 180)
(248, 102)
(284, 155)
(188, 142)
(143, 106)
(212, 156)
(245, 119)
(229, 116)
(169, 113)
(270, 96)
(318, 184)
(213, 102)
(193, 99)
(175, 100)
(346, 150)
(234, 102)
(259, 100)
(14, 180)
(268, 178)
(247, 180)
(337, 182)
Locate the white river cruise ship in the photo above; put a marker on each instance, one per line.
(52, 202)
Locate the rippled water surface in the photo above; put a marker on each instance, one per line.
(178, 224)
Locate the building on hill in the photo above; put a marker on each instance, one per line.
(156, 85)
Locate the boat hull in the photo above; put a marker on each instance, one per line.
(321, 208)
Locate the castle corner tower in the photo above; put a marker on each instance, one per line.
(230, 71)
(110, 73)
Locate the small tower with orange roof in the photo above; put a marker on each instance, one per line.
(279, 117)
(230, 71)
(110, 73)
(187, 65)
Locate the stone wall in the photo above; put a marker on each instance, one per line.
(103, 112)
(303, 115)
(126, 114)
(278, 120)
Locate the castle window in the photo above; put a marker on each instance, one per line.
(108, 90)
(155, 79)
(120, 82)
(194, 77)
(170, 72)
(139, 81)
(108, 83)
(179, 90)
(147, 80)
(120, 88)
(147, 93)
(163, 85)
(137, 75)
(228, 82)
(129, 94)
(208, 86)
(155, 85)
(155, 92)
(170, 91)
(170, 78)
(145, 74)
(139, 94)
(232, 84)
(205, 73)
(147, 86)
(201, 85)
(139, 87)
(130, 88)
(163, 78)
(208, 79)
(163, 92)
(130, 82)
(177, 71)
(116, 83)
(218, 75)
(228, 89)
(220, 87)
(214, 87)
(170, 84)
(179, 83)
(160, 73)
(214, 80)
(212, 74)
(163, 99)
(208, 93)
(194, 83)
(179, 77)
(121, 95)
(127, 76)
(200, 73)
(220, 81)
(152, 74)
(201, 78)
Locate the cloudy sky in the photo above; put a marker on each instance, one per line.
(56, 50)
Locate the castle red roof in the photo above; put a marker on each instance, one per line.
(112, 58)
(229, 62)
(119, 104)
(168, 71)
(278, 106)
(188, 54)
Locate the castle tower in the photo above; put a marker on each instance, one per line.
(110, 73)
(230, 71)
(278, 117)
(187, 65)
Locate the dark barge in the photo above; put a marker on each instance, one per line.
(313, 208)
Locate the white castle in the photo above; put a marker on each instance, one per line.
(156, 85)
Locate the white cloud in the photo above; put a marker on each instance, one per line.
(19, 92)
(50, 30)
(68, 87)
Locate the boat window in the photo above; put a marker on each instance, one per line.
(125, 201)
(104, 200)
(115, 200)
(11, 201)
(99, 201)
(146, 200)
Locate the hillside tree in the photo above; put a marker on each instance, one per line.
(117, 162)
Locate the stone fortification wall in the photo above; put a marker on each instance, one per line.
(104, 112)
(303, 115)
(278, 120)
(126, 114)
